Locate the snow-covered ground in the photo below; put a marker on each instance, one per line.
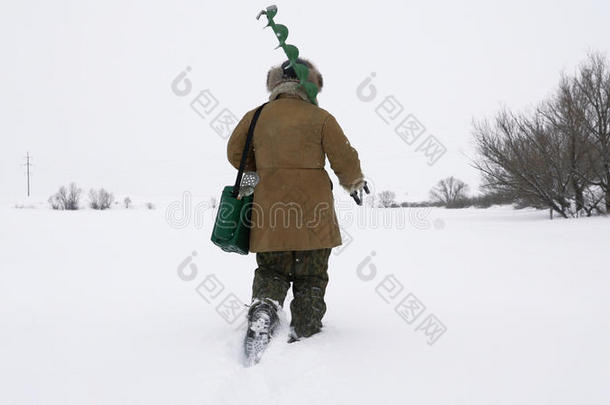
(115, 308)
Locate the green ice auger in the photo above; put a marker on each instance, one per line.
(292, 52)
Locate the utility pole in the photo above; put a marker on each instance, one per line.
(28, 165)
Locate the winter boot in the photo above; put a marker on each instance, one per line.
(262, 322)
(292, 336)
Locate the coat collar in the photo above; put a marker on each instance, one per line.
(290, 89)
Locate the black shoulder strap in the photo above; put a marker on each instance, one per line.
(244, 155)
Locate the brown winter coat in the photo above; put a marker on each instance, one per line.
(293, 202)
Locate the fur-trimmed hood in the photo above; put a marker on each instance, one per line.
(278, 82)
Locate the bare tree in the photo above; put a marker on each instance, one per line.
(450, 192)
(559, 155)
(565, 115)
(518, 155)
(593, 83)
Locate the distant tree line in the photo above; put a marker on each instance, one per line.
(450, 193)
(69, 198)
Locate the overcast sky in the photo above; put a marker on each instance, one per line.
(86, 86)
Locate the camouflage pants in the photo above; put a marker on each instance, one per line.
(307, 271)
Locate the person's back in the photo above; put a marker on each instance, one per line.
(294, 225)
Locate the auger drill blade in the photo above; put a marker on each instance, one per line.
(248, 181)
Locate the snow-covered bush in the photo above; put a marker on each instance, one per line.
(66, 198)
(386, 199)
(21, 206)
(100, 199)
(150, 205)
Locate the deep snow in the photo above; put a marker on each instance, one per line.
(93, 311)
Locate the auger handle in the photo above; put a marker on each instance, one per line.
(356, 197)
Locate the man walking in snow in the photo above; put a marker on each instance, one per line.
(294, 225)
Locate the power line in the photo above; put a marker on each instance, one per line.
(28, 164)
